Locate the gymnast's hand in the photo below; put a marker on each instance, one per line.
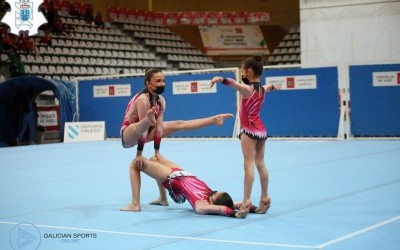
(140, 162)
(215, 80)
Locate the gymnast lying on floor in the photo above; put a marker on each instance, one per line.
(183, 185)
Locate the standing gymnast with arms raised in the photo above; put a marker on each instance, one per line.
(137, 128)
(252, 130)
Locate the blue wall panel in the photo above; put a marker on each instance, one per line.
(108, 109)
(303, 113)
(194, 106)
(178, 107)
(375, 111)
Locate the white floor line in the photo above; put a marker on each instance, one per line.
(364, 230)
(168, 236)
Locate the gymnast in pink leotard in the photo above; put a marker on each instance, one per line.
(253, 133)
(183, 185)
(144, 121)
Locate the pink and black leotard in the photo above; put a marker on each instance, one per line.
(182, 186)
(249, 113)
(132, 116)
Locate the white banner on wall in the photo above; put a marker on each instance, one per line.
(84, 131)
(112, 90)
(383, 79)
(233, 39)
(47, 118)
(193, 87)
(293, 82)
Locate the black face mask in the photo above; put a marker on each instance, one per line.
(245, 80)
(159, 90)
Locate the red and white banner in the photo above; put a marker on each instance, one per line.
(191, 17)
(293, 82)
(233, 40)
(112, 90)
(385, 79)
(193, 87)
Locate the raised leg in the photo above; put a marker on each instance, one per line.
(134, 131)
(171, 127)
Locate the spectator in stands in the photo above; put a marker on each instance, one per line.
(51, 13)
(60, 28)
(20, 66)
(98, 20)
(88, 13)
(20, 41)
(46, 38)
(121, 72)
(74, 9)
(28, 44)
(16, 65)
(12, 55)
(9, 40)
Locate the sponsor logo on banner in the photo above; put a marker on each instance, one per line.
(192, 87)
(293, 82)
(290, 82)
(112, 90)
(84, 131)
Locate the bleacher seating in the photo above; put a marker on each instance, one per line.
(86, 49)
(129, 44)
(288, 50)
(164, 43)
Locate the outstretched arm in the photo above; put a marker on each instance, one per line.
(244, 90)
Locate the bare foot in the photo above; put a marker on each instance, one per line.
(265, 203)
(237, 205)
(131, 208)
(151, 116)
(241, 214)
(244, 210)
(219, 119)
(159, 202)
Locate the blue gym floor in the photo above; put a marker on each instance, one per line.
(325, 195)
